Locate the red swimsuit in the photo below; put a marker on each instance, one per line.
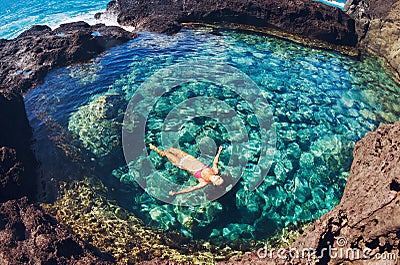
(198, 173)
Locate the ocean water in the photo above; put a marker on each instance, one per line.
(338, 3)
(320, 103)
(17, 16)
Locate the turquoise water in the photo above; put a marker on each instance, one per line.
(321, 102)
(338, 3)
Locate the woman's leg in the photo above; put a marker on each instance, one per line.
(175, 155)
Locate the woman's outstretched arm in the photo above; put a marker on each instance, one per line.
(215, 163)
(190, 189)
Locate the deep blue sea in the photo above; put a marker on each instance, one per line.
(17, 16)
(319, 103)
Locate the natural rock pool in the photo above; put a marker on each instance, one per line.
(321, 103)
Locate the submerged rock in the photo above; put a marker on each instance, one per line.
(234, 231)
(195, 217)
(249, 204)
(306, 160)
(98, 124)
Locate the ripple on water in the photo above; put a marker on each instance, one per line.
(322, 103)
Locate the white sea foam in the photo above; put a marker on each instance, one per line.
(15, 27)
(89, 18)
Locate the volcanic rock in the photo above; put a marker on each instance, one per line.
(305, 18)
(17, 161)
(25, 60)
(378, 27)
(28, 236)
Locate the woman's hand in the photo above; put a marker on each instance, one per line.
(172, 193)
(220, 149)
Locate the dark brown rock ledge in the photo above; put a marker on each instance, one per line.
(378, 27)
(305, 18)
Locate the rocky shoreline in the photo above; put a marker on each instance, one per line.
(29, 235)
(307, 18)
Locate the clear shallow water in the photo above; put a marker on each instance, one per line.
(322, 103)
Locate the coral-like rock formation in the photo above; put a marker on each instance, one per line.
(87, 209)
(306, 18)
(28, 236)
(366, 220)
(97, 120)
(378, 27)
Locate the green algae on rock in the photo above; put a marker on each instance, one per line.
(88, 211)
(102, 116)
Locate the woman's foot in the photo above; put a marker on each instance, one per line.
(154, 148)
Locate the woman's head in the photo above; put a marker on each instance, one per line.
(216, 180)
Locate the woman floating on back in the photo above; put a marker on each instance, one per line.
(203, 173)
